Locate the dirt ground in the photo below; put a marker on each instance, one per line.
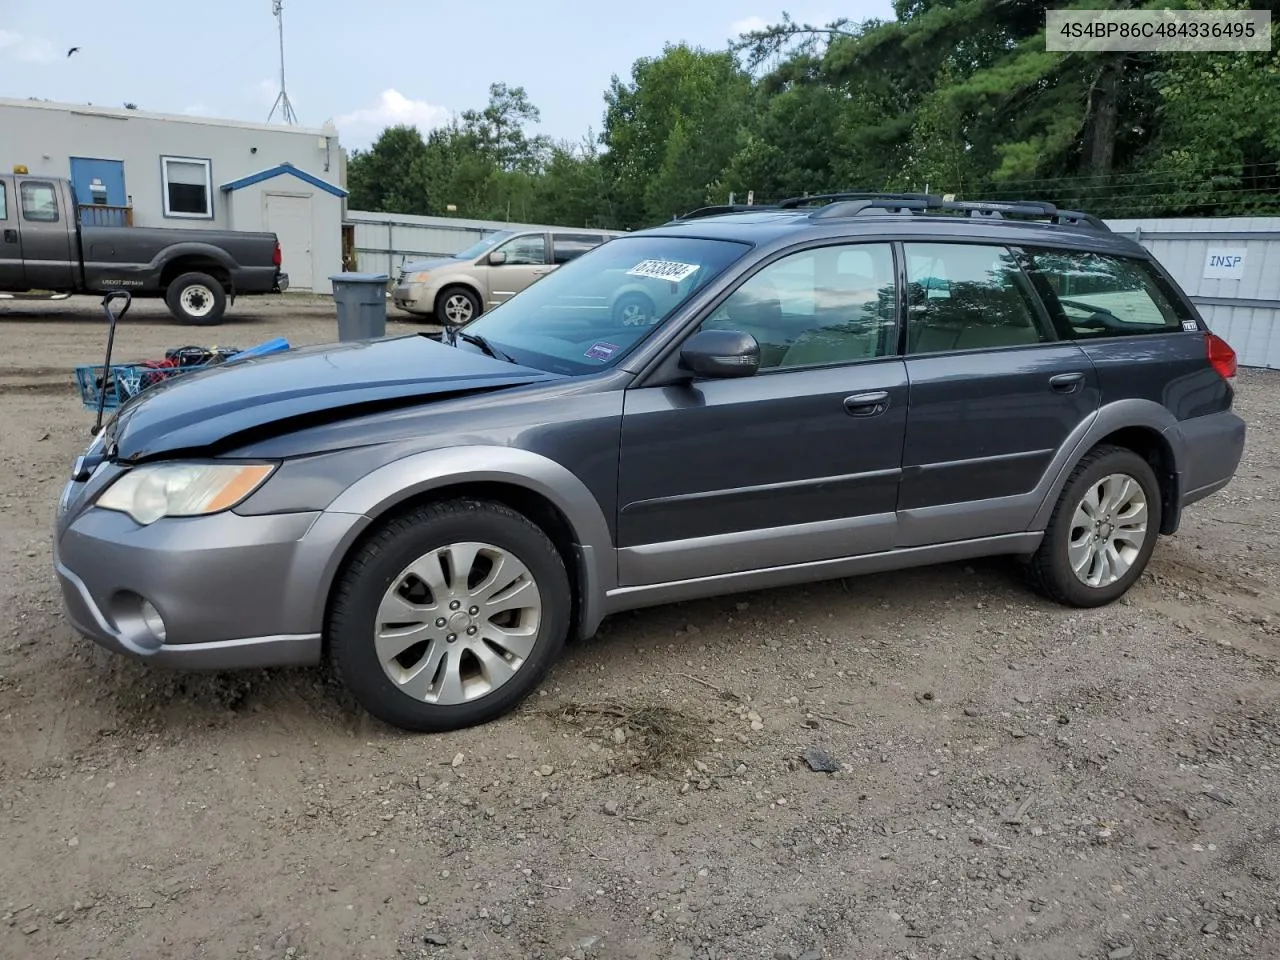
(1014, 779)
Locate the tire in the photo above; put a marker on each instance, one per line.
(472, 681)
(1069, 541)
(196, 299)
(457, 306)
(634, 310)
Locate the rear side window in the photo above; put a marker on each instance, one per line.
(1099, 295)
(964, 296)
(570, 246)
(39, 202)
(4, 204)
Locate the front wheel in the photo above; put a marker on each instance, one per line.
(457, 306)
(1102, 532)
(449, 615)
(196, 299)
(634, 310)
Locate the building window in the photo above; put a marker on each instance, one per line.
(188, 187)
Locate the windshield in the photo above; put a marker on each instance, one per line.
(483, 244)
(592, 311)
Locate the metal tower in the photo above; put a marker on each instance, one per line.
(282, 100)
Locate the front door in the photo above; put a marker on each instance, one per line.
(798, 463)
(45, 231)
(11, 271)
(994, 394)
(289, 218)
(524, 260)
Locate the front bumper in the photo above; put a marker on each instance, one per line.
(227, 587)
(414, 297)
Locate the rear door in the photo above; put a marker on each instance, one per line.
(11, 271)
(525, 261)
(994, 393)
(46, 225)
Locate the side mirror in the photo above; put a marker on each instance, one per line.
(721, 353)
(497, 257)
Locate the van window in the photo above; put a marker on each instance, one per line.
(964, 296)
(39, 201)
(1101, 295)
(569, 246)
(528, 249)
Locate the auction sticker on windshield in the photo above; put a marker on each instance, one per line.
(602, 351)
(672, 270)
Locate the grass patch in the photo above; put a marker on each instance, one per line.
(656, 738)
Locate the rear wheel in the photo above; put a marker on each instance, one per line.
(196, 299)
(1102, 532)
(634, 310)
(457, 306)
(449, 615)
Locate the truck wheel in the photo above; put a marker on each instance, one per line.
(1102, 531)
(456, 306)
(449, 615)
(196, 299)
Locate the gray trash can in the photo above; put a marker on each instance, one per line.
(361, 299)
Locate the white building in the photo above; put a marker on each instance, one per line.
(143, 169)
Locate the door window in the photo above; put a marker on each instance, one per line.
(570, 246)
(967, 297)
(39, 201)
(1096, 295)
(819, 306)
(531, 249)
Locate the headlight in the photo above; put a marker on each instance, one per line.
(420, 277)
(182, 489)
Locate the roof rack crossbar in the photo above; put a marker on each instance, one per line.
(717, 209)
(852, 208)
(792, 203)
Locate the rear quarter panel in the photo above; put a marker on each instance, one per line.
(1171, 369)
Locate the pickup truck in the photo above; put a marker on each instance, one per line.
(44, 247)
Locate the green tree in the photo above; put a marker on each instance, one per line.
(388, 177)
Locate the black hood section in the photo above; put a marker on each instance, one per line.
(220, 408)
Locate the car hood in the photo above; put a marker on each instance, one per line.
(224, 406)
(436, 263)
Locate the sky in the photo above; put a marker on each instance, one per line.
(417, 61)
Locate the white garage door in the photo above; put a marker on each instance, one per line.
(289, 218)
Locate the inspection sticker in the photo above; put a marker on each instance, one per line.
(672, 270)
(602, 351)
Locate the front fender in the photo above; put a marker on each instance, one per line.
(383, 489)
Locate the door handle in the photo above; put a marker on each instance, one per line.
(1066, 382)
(867, 404)
(11, 236)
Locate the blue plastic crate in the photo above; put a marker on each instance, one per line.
(125, 381)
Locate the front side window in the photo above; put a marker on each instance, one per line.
(593, 311)
(39, 201)
(819, 306)
(569, 246)
(1099, 295)
(188, 187)
(524, 251)
(967, 297)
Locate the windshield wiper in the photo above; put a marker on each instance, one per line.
(482, 343)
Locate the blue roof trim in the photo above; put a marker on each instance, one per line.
(279, 169)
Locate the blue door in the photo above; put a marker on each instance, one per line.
(101, 183)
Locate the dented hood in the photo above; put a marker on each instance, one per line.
(203, 411)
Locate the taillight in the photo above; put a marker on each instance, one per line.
(1221, 357)
(276, 258)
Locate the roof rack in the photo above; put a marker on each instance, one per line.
(841, 205)
(716, 210)
(915, 203)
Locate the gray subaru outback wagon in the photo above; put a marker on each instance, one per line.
(825, 387)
